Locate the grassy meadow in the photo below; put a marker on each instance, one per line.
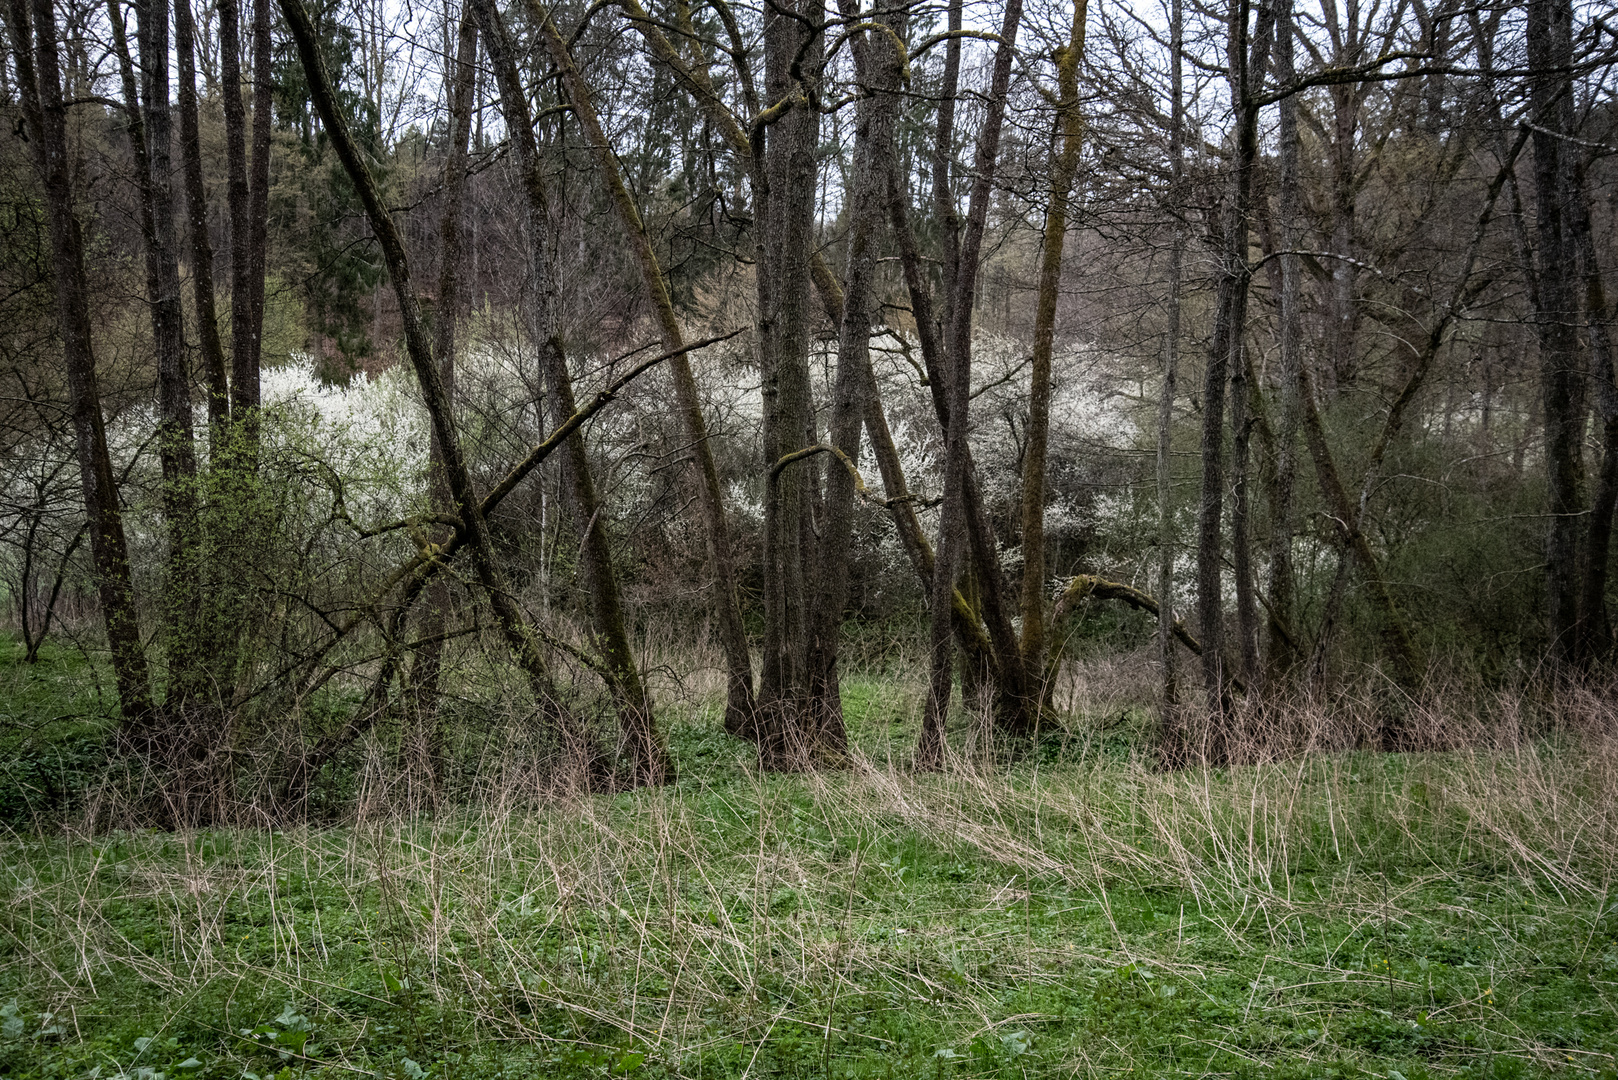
(1070, 912)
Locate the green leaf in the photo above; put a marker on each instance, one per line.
(628, 1062)
(1017, 1043)
(11, 1025)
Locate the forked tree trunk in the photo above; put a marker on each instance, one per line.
(985, 644)
(958, 523)
(45, 113)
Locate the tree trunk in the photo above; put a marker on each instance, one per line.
(949, 221)
(1286, 279)
(1241, 550)
(427, 665)
(46, 116)
(248, 224)
(150, 124)
(1550, 58)
(1224, 360)
(513, 626)
(998, 635)
(1595, 626)
(785, 235)
(1070, 133)
(1172, 749)
(641, 741)
(196, 204)
(957, 523)
(876, 68)
(739, 664)
(246, 382)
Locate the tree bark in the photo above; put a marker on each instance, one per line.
(45, 113)
(1550, 58)
(739, 702)
(641, 742)
(196, 203)
(1070, 135)
(509, 618)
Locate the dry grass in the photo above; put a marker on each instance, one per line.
(1072, 912)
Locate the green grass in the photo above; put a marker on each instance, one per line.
(1072, 914)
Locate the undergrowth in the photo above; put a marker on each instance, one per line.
(1072, 912)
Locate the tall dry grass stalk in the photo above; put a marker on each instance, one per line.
(681, 917)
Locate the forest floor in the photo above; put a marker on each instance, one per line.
(1073, 912)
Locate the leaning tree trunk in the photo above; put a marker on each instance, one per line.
(513, 626)
(958, 523)
(739, 706)
(45, 114)
(642, 742)
(983, 645)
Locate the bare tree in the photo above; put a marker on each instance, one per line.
(642, 741)
(34, 42)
